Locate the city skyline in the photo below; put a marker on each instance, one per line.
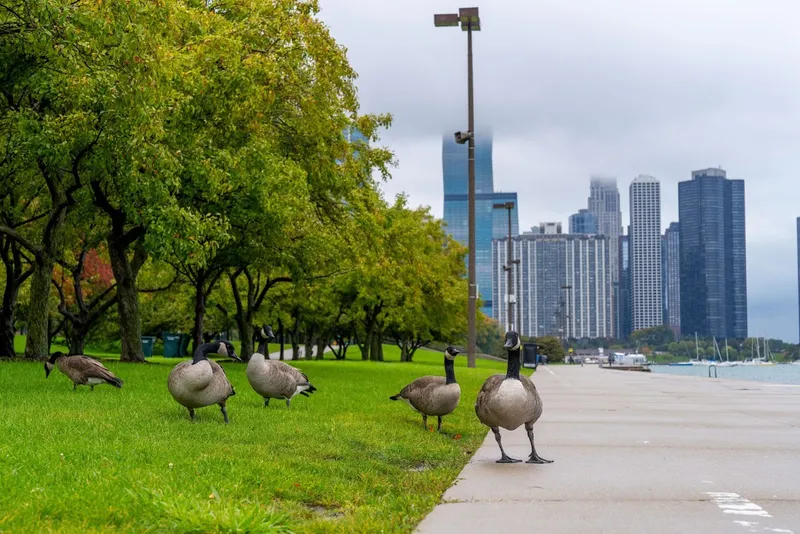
(594, 105)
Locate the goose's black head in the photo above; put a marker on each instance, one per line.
(512, 341)
(263, 333)
(451, 352)
(49, 364)
(226, 349)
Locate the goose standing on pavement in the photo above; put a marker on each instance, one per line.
(434, 395)
(202, 382)
(273, 379)
(82, 370)
(509, 401)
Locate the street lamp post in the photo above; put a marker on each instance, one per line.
(470, 21)
(509, 262)
(566, 289)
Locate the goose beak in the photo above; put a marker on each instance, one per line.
(509, 344)
(235, 356)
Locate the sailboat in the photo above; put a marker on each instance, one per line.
(727, 361)
(698, 361)
(758, 360)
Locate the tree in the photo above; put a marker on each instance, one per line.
(551, 347)
(657, 336)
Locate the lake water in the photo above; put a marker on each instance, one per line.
(783, 374)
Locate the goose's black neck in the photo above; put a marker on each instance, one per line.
(449, 371)
(512, 371)
(202, 352)
(262, 347)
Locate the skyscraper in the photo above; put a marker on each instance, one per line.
(671, 277)
(561, 285)
(489, 222)
(605, 207)
(798, 270)
(645, 253)
(713, 255)
(623, 309)
(582, 222)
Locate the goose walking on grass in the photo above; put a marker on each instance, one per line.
(434, 395)
(82, 370)
(273, 379)
(510, 401)
(202, 382)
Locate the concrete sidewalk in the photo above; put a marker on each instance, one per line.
(638, 452)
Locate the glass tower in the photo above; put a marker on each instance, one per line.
(489, 223)
(713, 255)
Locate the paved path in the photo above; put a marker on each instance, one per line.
(638, 452)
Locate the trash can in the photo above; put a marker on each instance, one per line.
(172, 344)
(147, 345)
(185, 340)
(529, 354)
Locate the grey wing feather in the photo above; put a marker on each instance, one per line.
(91, 368)
(419, 384)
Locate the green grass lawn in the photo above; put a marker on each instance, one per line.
(345, 460)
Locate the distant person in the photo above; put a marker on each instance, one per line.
(610, 359)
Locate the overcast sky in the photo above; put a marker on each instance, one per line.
(616, 87)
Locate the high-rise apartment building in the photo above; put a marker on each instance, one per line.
(561, 285)
(798, 273)
(623, 309)
(582, 222)
(645, 253)
(713, 255)
(489, 223)
(671, 277)
(604, 206)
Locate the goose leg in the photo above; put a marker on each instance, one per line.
(439, 428)
(288, 403)
(504, 459)
(534, 458)
(91, 388)
(74, 386)
(425, 421)
(191, 413)
(224, 413)
(266, 402)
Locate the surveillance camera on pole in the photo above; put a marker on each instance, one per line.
(463, 137)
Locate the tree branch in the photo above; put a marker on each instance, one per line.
(11, 234)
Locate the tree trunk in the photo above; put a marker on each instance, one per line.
(309, 345)
(76, 339)
(376, 352)
(281, 337)
(37, 345)
(7, 312)
(295, 339)
(321, 344)
(246, 337)
(130, 322)
(199, 312)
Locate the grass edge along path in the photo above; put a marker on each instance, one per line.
(345, 460)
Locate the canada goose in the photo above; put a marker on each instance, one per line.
(82, 370)
(202, 382)
(434, 395)
(509, 401)
(274, 379)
